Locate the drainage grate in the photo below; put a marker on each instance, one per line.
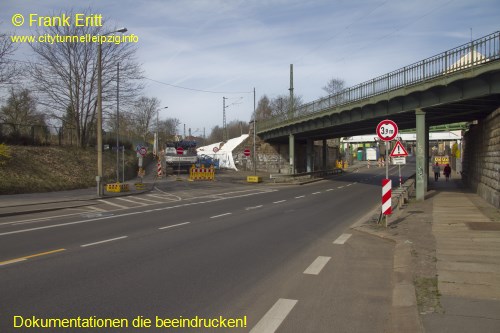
(484, 226)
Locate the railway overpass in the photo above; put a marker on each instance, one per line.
(459, 85)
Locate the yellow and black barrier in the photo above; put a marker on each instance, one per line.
(202, 173)
(140, 186)
(341, 164)
(117, 187)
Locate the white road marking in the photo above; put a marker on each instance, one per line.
(112, 204)
(132, 201)
(280, 201)
(316, 192)
(254, 207)
(104, 241)
(342, 239)
(213, 217)
(330, 189)
(340, 187)
(174, 225)
(165, 197)
(317, 265)
(300, 196)
(124, 214)
(96, 209)
(275, 316)
(148, 200)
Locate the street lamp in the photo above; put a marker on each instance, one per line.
(158, 131)
(99, 114)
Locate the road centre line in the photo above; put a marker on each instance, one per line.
(342, 239)
(317, 265)
(340, 187)
(280, 201)
(173, 225)
(220, 215)
(316, 193)
(127, 214)
(254, 207)
(330, 189)
(275, 316)
(30, 256)
(300, 196)
(104, 241)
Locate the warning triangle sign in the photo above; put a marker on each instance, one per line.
(399, 150)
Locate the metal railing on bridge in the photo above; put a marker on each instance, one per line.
(477, 52)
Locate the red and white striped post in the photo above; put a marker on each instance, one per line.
(160, 174)
(386, 198)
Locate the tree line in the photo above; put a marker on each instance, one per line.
(58, 86)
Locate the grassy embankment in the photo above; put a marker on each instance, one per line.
(27, 169)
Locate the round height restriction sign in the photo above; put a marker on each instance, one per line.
(387, 130)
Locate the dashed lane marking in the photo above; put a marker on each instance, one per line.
(220, 215)
(254, 207)
(300, 196)
(174, 225)
(275, 316)
(316, 193)
(104, 241)
(317, 265)
(342, 239)
(280, 201)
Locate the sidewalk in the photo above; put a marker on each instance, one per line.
(446, 263)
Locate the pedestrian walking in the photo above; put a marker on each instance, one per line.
(447, 171)
(437, 171)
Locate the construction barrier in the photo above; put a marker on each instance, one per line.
(341, 164)
(117, 187)
(202, 173)
(140, 186)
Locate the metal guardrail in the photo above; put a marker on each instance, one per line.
(477, 52)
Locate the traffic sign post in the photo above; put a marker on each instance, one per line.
(387, 130)
(399, 151)
(180, 151)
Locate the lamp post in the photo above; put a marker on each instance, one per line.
(158, 131)
(99, 114)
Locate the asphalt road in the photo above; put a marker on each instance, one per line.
(264, 255)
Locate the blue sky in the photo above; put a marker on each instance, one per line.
(227, 47)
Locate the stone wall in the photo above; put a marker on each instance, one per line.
(481, 160)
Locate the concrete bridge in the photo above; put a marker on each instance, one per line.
(459, 85)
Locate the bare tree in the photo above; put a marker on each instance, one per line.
(263, 110)
(333, 88)
(20, 109)
(280, 106)
(145, 112)
(65, 75)
(8, 69)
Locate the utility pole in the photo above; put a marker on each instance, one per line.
(224, 126)
(291, 110)
(117, 122)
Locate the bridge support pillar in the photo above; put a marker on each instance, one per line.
(421, 158)
(309, 155)
(325, 151)
(291, 147)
